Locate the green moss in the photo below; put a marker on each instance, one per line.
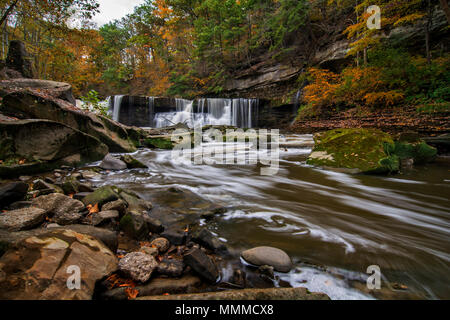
(131, 162)
(102, 195)
(362, 149)
(160, 143)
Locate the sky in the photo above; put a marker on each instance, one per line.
(114, 9)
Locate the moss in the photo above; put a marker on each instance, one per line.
(160, 143)
(131, 162)
(102, 195)
(363, 149)
(419, 151)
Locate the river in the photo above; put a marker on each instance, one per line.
(333, 225)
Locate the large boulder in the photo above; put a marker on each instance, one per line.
(59, 90)
(22, 219)
(12, 192)
(62, 209)
(19, 60)
(276, 258)
(112, 163)
(40, 267)
(29, 104)
(359, 150)
(31, 146)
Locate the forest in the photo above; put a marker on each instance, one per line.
(191, 48)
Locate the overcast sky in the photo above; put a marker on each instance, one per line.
(114, 9)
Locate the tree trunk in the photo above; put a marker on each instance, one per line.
(428, 32)
(446, 8)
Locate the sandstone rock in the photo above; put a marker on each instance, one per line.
(111, 163)
(63, 209)
(12, 192)
(22, 219)
(138, 266)
(162, 244)
(44, 145)
(201, 264)
(268, 256)
(43, 264)
(19, 205)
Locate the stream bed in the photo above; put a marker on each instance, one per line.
(333, 225)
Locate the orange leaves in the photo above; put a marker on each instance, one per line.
(115, 281)
(131, 293)
(93, 209)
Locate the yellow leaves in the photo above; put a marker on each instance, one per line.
(93, 209)
(388, 98)
(409, 18)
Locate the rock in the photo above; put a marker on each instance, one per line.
(132, 163)
(267, 271)
(12, 192)
(100, 218)
(138, 266)
(33, 146)
(59, 90)
(441, 142)
(246, 295)
(171, 267)
(268, 256)
(118, 205)
(90, 175)
(206, 239)
(22, 219)
(62, 209)
(81, 195)
(135, 203)
(71, 185)
(418, 151)
(362, 150)
(158, 286)
(111, 163)
(28, 104)
(102, 195)
(19, 205)
(43, 264)
(19, 60)
(149, 250)
(109, 238)
(175, 237)
(42, 185)
(162, 244)
(134, 225)
(153, 225)
(202, 264)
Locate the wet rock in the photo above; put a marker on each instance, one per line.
(100, 218)
(102, 195)
(90, 175)
(206, 239)
(153, 225)
(175, 237)
(12, 192)
(71, 185)
(81, 195)
(42, 264)
(267, 271)
(162, 244)
(63, 209)
(111, 163)
(134, 202)
(268, 256)
(138, 266)
(118, 205)
(22, 219)
(247, 294)
(132, 163)
(202, 264)
(134, 225)
(171, 267)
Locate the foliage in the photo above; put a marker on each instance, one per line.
(92, 102)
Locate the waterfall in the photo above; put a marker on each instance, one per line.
(116, 107)
(151, 110)
(210, 111)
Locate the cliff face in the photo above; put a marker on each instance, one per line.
(275, 78)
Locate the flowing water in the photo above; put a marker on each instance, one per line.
(333, 225)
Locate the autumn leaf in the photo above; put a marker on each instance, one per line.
(131, 293)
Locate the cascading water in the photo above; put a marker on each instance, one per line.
(210, 111)
(117, 102)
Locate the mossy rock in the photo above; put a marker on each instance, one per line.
(134, 225)
(102, 195)
(361, 150)
(419, 151)
(160, 143)
(132, 163)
